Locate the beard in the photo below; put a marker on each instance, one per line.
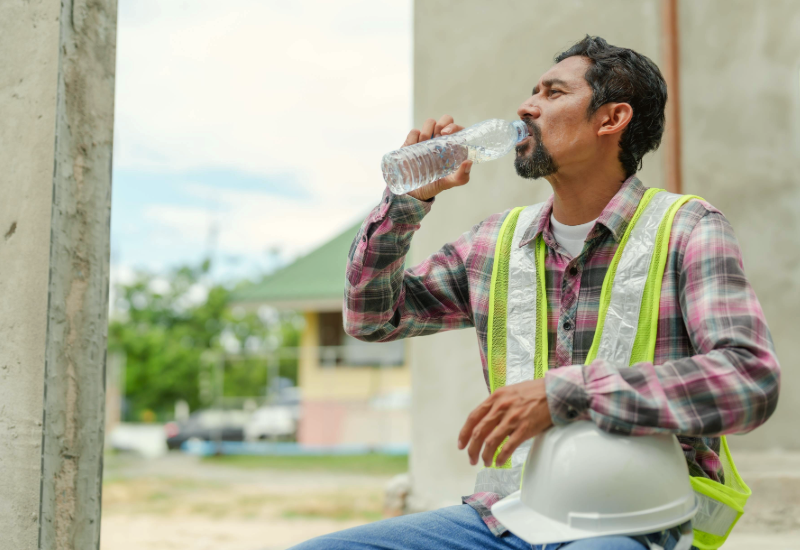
(539, 163)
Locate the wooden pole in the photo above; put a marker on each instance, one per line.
(671, 69)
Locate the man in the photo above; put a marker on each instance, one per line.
(592, 118)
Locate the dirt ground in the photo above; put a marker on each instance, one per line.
(179, 502)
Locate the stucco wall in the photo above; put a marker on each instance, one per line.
(740, 88)
(740, 78)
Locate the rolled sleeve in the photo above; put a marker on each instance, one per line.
(567, 397)
(383, 301)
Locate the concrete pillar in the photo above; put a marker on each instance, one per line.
(56, 104)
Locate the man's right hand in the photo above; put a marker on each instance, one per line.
(432, 128)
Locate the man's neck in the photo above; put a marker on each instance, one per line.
(581, 196)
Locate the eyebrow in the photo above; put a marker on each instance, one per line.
(549, 84)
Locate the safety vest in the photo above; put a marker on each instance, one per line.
(625, 335)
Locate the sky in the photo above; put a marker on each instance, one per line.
(251, 130)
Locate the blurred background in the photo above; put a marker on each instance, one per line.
(247, 141)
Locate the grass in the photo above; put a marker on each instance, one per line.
(369, 464)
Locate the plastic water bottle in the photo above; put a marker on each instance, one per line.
(412, 167)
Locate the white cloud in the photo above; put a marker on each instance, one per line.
(251, 222)
(317, 89)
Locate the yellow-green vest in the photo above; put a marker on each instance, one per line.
(625, 334)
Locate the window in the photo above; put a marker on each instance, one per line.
(339, 348)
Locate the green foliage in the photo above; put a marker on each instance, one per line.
(173, 328)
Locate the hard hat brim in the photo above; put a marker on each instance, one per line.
(536, 528)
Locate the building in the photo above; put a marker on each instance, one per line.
(352, 392)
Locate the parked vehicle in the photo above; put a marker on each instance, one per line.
(208, 425)
(289, 397)
(273, 422)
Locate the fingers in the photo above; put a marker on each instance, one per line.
(481, 432)
(472, 420)
(459, 177)
(432, 128)
(451, 128)
(515, 440)
(411, 138)
(441, 123)
(482, 423)
(427, 129)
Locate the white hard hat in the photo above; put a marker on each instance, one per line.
(581, 482)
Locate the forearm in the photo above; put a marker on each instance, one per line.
(383, 301)
(731, 390)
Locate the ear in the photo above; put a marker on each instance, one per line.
(614, 118)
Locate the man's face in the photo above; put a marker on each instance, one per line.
(561, 134)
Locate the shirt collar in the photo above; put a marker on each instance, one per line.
(615, 216)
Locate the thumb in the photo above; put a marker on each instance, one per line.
(460, 176)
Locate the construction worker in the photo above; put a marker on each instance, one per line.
(550, 292)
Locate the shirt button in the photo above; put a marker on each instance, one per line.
(567, 325)
(573, 270)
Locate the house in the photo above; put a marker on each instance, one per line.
(352, 392)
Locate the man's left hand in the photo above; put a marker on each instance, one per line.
(518, 411)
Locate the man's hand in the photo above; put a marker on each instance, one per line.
(518, 411)
(445, 126)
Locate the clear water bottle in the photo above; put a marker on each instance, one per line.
(412, 167)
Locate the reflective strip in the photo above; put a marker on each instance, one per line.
(622, 317)
(713, 516)
(502, 481)
(521, 318)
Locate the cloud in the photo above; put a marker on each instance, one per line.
(250, 222)
(264, 120)
(313, 88)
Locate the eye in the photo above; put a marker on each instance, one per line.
(555, 92)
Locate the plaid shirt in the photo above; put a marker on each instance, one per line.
(715, 370)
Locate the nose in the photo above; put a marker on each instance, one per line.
(529, 108)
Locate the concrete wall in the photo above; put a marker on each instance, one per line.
(740, 88)
(477, 60)
(56, 104)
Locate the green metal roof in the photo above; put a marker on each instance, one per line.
(319, 275)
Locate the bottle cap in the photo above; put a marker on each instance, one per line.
(521, 128)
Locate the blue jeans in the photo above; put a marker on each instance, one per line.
(457, 528)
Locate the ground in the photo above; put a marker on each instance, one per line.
(182, 502)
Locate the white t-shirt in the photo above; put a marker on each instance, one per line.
(571, 237)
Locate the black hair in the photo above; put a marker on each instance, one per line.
(621, 75)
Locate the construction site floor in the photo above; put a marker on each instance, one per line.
(182, 502)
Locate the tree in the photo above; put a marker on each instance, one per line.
(164, 325)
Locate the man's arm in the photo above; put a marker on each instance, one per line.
(730, 386)
(382, 300)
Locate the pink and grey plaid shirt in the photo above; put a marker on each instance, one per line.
(715, 369)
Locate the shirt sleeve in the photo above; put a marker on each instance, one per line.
(730, 386)
(382, 300)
